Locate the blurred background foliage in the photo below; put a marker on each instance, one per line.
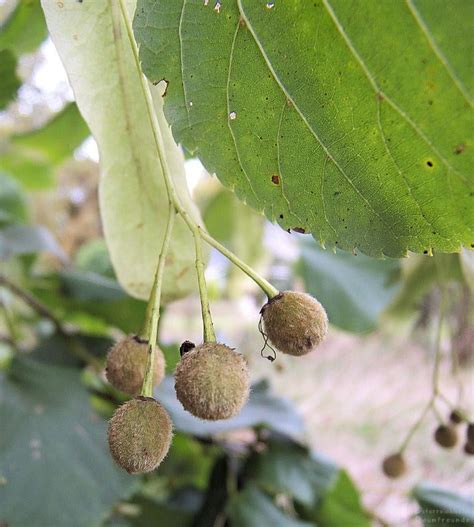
(61, 308)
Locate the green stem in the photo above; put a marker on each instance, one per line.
(209, 335)
(153, 310)
(267, 288)
(416, 425)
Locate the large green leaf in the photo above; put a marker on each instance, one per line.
(350, 120)
(27, 239)
(25, 28)
(53, 454)
(353, 289)
(440, 507)
(92, 42)
(10, 81)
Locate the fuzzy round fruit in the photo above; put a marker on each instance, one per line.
(295, 323)
(394, 466)
(140, 434)
(456, 417)
(126, 364)
(470, 433)
(446, 436)
(469, 449)
(212, 381)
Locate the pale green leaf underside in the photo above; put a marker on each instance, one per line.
(92, 41)
(351, 120)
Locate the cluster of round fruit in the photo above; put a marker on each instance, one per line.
(445, 435)
(211, 380)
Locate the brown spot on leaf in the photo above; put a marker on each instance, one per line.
(276, 179)
(299, 229)
(460, 148)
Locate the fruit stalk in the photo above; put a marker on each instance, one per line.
(209, 334)
(153, 309)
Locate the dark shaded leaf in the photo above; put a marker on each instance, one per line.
(10, 81)
(27, 239)
(53, 452)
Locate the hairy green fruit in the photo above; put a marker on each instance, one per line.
(446, 436)
(394, 466)
(212, 381)
(126, 364)
(140, 434)
(295, 323)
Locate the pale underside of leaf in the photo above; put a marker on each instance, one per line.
(93, 44)
(353, 122)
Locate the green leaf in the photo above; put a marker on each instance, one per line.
(56, 140)
(349, 133)
(25, 28)
(32, 157)
(12, 202)
(440, 507)
(27, 239)
(79, 297)
(93, 256)
(53, 453)
(10, 81)
(262, 409)
(353, 289)
(290, 468)
(92, 42)
(252, 508)
(341, 505)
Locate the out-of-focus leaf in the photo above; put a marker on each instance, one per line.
(252, 508)
(262, 408)
(419, 274)
(467, 266)
(53, 453)
(56, 140)
(217, 494)
(10, 81)
(12, 202)
(25, 28)
(333, 116)
(91, 39)
(93, 256)
(353, 289)
(238, 227)
(72, 293)
(32, 157)
(27, 239)
(188, 463)
(440, 507)
(290, 468)
(341, 505)
(32, 174)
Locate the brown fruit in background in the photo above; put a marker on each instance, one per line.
(295, 323)
(456, 417)
(470, 433)
(469, 449)
(126, 363)
(394, 466)
(446, 436)
(212, 381)
(139, 435)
